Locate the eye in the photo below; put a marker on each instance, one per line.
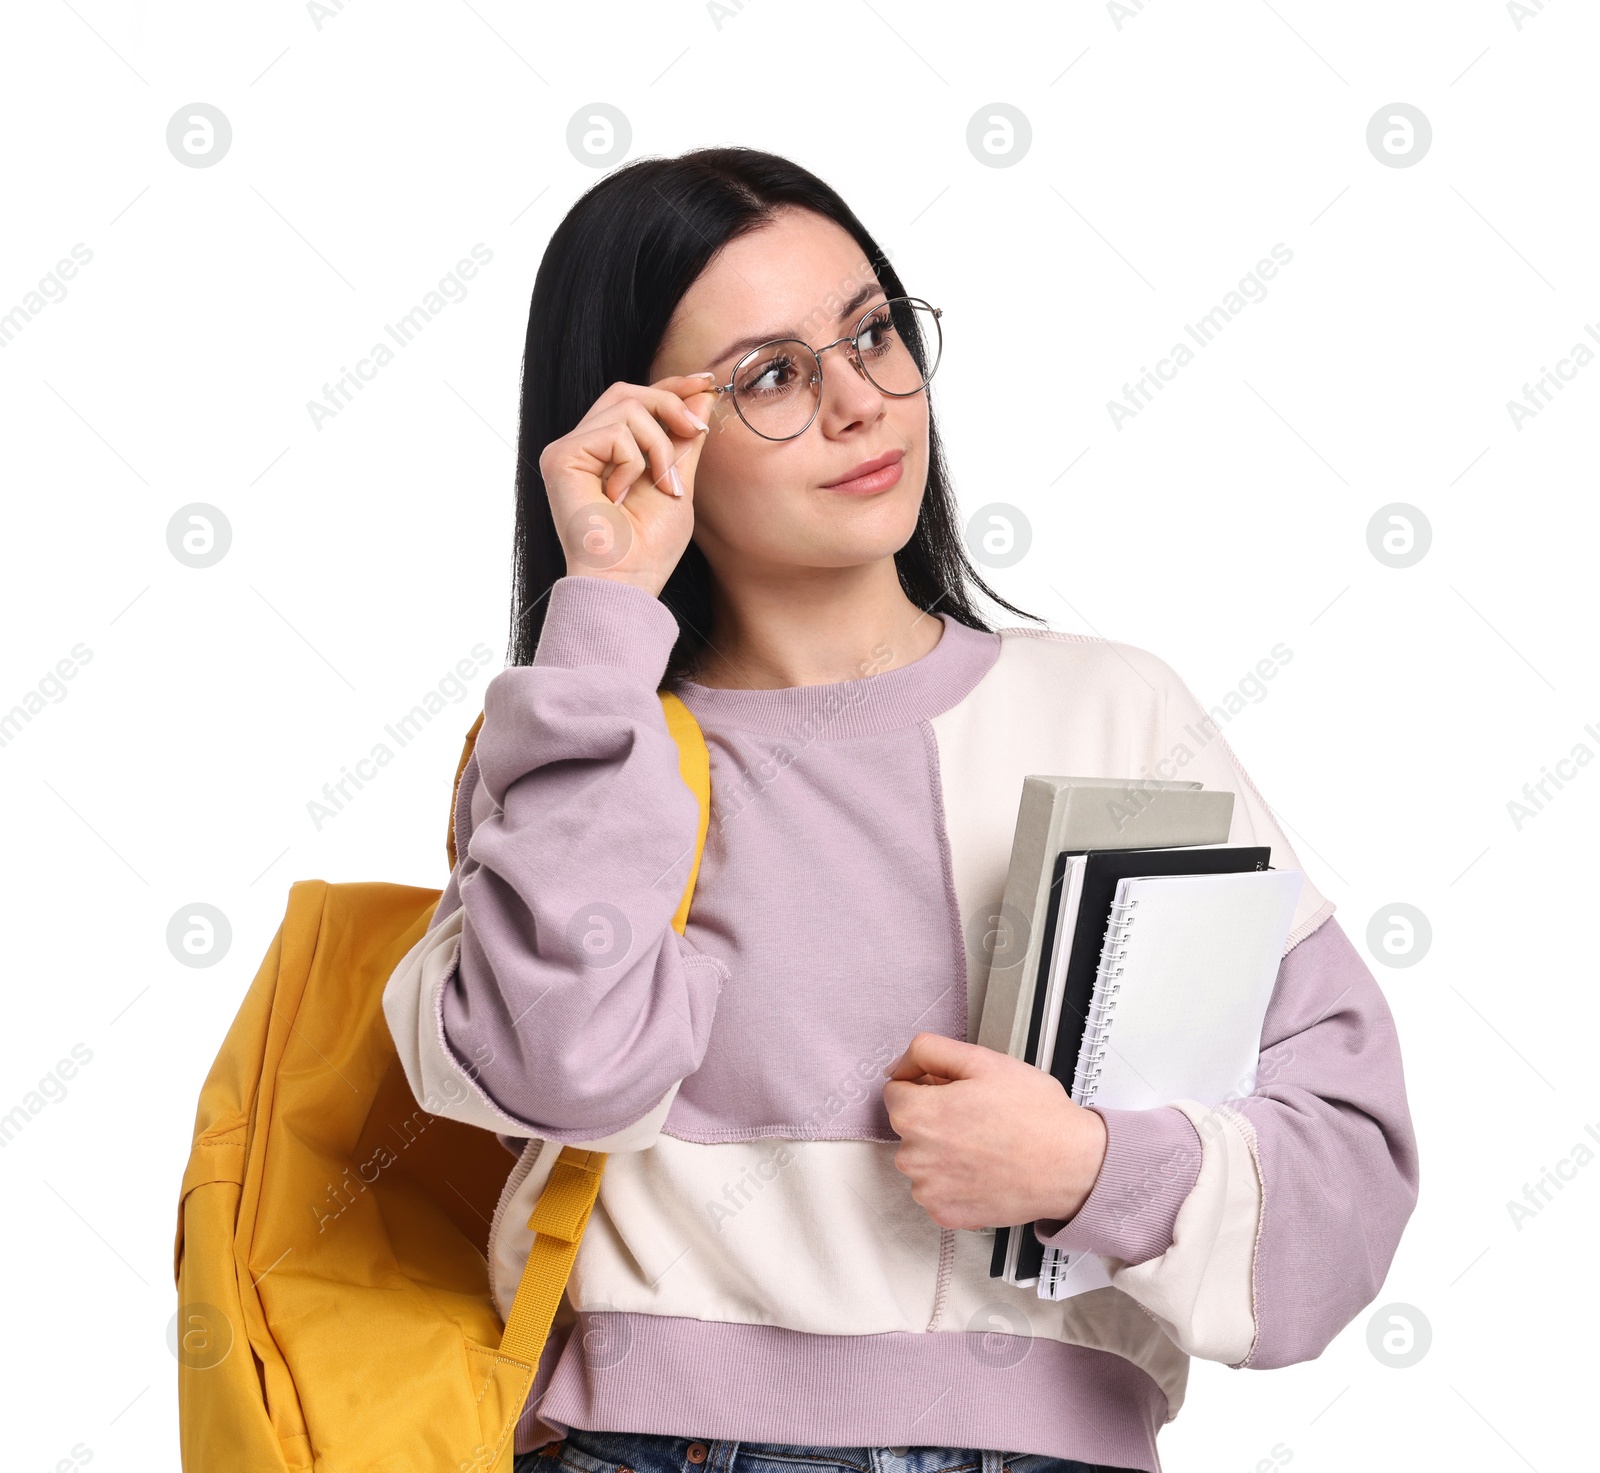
(775, 374)
(877, 335)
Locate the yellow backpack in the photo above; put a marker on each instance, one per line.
(333, 1293)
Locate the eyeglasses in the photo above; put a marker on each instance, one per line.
(777, 388)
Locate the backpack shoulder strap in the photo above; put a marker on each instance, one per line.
(562, 1211)
(694, 763)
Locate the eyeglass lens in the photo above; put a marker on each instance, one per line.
(778, 387)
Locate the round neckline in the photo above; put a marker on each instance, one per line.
(862, 705)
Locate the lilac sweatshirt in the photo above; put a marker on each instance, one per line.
(755, 1268)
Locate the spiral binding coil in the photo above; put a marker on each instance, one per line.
(1103, 1004)
(1091, 1056)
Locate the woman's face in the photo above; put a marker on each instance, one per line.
(761, 506)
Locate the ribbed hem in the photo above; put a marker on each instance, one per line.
(599, 621)
(710, 1379)
(849, 708)
(1152, 1163)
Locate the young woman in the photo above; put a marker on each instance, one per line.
(730, 486)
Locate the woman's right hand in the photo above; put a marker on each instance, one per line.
(636, 442)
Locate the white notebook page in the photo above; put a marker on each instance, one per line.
(1199, 958)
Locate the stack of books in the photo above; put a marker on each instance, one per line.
(1135, 955)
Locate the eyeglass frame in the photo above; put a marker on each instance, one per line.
(849, 337)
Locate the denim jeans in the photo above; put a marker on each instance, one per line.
(643, 1452)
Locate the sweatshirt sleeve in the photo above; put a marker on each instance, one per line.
(1255, 1230)
(550, 996)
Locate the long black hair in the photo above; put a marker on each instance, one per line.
(612, 275)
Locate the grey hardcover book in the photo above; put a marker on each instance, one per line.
(1076, 814)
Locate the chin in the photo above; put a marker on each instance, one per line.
(877, 525)
(860, 546)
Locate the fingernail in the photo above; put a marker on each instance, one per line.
(706, 373)
(623, 497)
(697, 422)
(676, 479)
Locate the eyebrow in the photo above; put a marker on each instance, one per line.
(755, 340)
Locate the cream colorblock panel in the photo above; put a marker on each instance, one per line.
(1075, 706)
(821, 1236)
(818, 1236)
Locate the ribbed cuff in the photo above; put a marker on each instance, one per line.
(1152, 1162)
(600, 621)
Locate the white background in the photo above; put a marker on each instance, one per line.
(1168, 155)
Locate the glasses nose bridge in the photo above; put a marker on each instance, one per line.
(854, 357)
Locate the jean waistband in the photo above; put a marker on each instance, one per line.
(643, 1452)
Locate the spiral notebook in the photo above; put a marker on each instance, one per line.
(1185, 975)
(1085, 888)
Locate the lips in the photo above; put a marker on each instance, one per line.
(880, 471)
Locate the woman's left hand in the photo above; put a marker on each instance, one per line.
(987, 1140)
